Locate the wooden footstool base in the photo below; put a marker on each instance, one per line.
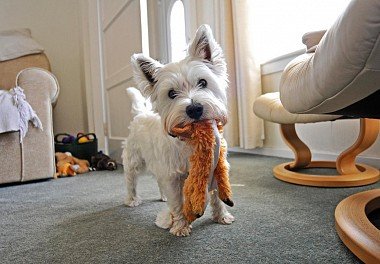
(355, 229)
(269, 107)
(367, 175)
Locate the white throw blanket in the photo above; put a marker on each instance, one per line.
(16, 112)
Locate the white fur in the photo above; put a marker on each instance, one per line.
(149, 145)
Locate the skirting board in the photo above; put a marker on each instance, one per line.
(287, 153)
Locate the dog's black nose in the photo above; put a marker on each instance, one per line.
(194, 111)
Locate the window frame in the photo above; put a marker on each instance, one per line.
(168, 27)
(166, 6)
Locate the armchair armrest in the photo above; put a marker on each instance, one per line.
(311, 39)
(41, 89)
(40, 86)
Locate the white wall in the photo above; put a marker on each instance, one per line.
(56, 25)
(326, 139)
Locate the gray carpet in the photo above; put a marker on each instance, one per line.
(83, 220)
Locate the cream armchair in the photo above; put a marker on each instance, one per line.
(342, 77)
(338, 76)
(34, 157)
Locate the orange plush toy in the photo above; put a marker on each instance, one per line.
(208, 166)
(65, 169)
(67, 165)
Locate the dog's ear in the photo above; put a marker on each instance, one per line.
(145, 73)
(206, 48)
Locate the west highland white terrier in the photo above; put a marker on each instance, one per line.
(180, 93)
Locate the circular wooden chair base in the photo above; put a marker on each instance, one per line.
(355, 229)
(367, 175)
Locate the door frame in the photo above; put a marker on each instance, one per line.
(196, 13)
(97, 111)
(93, 71)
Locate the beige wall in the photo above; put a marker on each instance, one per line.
(325, 139)
(56, 25)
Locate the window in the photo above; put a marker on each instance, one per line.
(177, 32)
(278, 26)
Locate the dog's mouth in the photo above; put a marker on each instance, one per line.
(174, 124)
(183, 130)
(172, 135)
(178, 131)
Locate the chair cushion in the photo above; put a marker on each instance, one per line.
(344, 68)
(17, 43)
(9, 69)
(269, 107)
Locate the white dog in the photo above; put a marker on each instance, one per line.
(180, 92)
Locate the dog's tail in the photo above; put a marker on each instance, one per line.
(139, 103)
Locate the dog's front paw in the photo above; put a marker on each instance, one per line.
(181, 232)
(181, 228)
(224, 219)
(133, 201)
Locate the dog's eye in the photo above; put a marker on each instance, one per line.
(202, 83)
(172, 94)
